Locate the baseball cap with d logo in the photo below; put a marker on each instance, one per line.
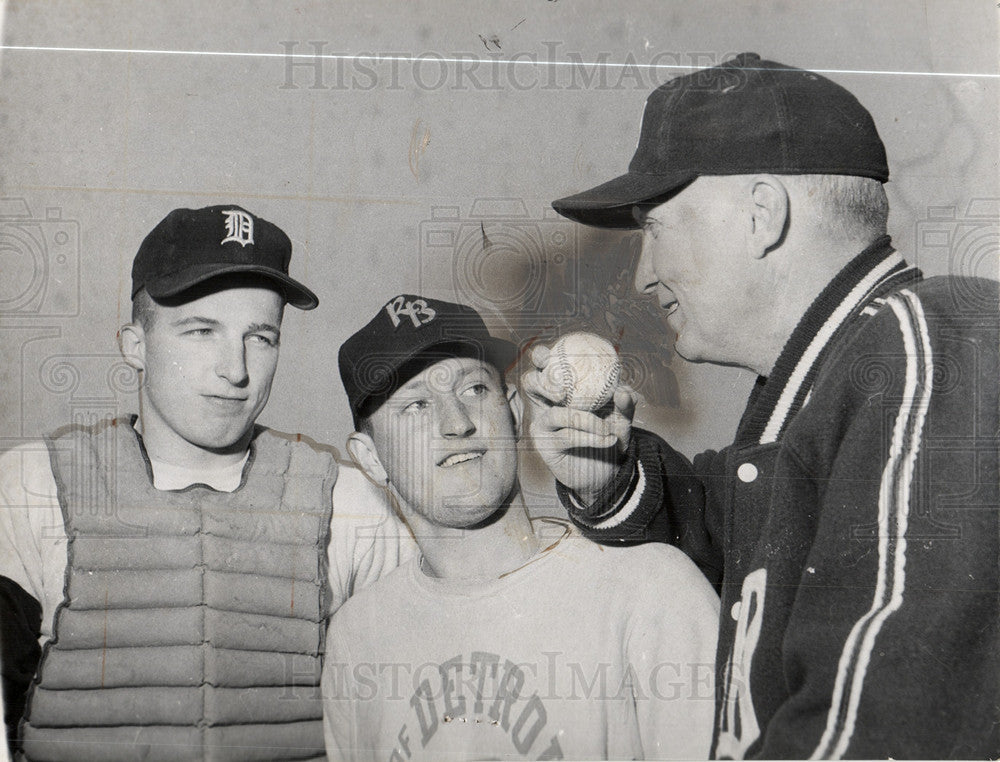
(191, 246)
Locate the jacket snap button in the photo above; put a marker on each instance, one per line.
(734, 612)
(747, 472)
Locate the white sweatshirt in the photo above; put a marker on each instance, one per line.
(585, 652)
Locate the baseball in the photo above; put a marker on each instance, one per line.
(585, 369)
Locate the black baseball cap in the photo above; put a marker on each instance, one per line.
(191, 246)
(744, 116)
(406, 333)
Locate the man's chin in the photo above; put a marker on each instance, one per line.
(467, 517)
(700, 358)
(491, 519)
(688, 353)
(474, 516)
(225, 443)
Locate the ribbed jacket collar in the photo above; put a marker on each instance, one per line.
(776, 399)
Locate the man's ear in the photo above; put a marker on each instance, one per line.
(132, 344)
(516, 405)
(365, 456)
(769, 213)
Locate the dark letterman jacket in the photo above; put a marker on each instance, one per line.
(853, 525)
(193, 621)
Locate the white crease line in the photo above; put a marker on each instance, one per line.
(428, 57)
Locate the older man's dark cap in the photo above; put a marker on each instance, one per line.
(744, 116)
(407, 334)
(192, 246)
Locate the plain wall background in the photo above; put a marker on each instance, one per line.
(375, 173)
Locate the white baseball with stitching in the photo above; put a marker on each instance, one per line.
(585, 369)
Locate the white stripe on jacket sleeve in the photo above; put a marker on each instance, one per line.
(893, 518)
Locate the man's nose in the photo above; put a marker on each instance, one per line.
(645, 277)
(455, 420)
(232, 363)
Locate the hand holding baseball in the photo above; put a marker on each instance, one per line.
(581, 413)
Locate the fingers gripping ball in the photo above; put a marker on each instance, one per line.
(585, 368)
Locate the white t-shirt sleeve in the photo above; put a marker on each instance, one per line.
(32, 533)
(367, 540)
(671, 649)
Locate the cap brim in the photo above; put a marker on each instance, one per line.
(174, 284)
(502, 354)
(609, 205)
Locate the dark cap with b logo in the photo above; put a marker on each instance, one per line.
(192, 246)
(406, 334)
(744, 116)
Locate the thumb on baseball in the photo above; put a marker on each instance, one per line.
(625, 400)
(540, 356)
(623, 411)
(534, 382)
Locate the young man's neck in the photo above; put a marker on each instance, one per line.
(167, 446)
(482, 553)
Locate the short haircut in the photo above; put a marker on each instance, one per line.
(847, 206)
(144, 305)
(143, 309)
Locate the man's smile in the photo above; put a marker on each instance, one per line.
(225, 401)
(461, 457)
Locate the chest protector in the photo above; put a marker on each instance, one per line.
(192, 624)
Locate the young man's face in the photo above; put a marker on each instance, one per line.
(448, 442)
(208, 366)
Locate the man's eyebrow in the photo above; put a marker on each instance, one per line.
(199, 320)
(417, 383)
(195, 319)
(484, 368)
(413, 383)
(257, 327)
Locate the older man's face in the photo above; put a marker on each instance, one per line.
(694, 261)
